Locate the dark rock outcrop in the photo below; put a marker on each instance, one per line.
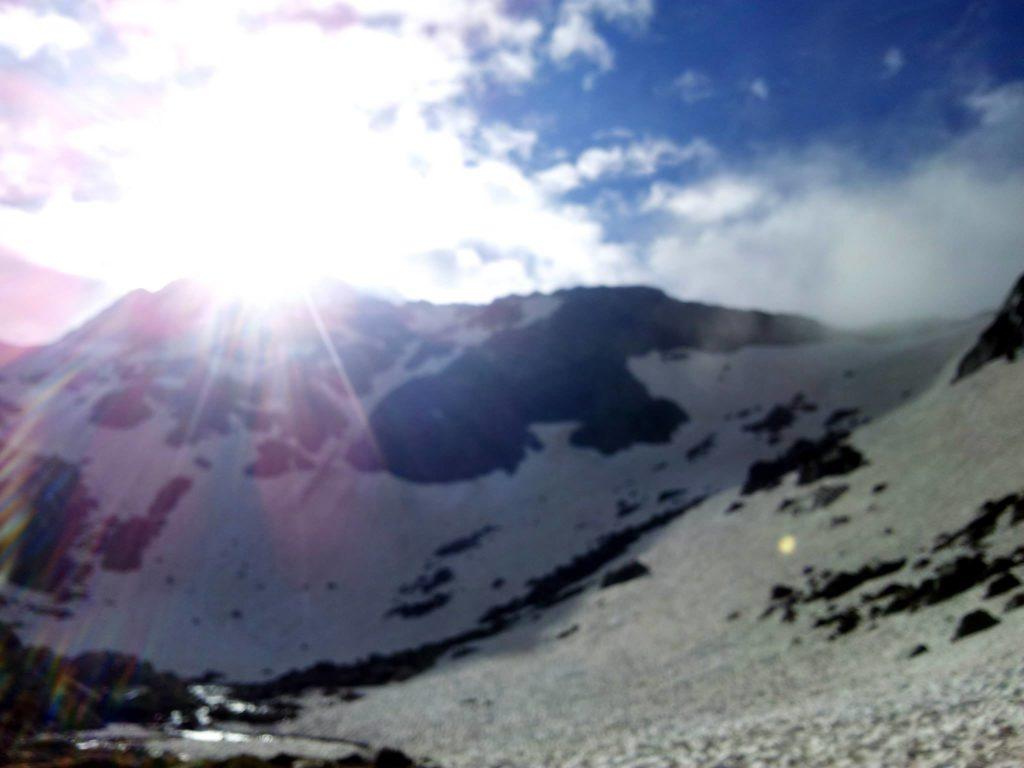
(54, 505)
(474, 416)
(1004, 337)
(810, 459)
(701, 449)
(780, 418)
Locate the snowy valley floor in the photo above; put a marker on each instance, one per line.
(684, 668)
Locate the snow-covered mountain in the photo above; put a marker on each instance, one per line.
(252, 491)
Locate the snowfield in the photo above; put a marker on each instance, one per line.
(708, 538)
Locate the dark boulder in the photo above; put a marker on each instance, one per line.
(973, 622)
(1002, 584)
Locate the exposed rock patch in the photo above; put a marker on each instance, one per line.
(780, 418)
(415, 610)
(810, 459)
(1003, 338)
(122, 409)
(465, 543)
(701, 449)
(124, 542)
(947, 579)
(634, 569)
(48, 497)
(474, 416)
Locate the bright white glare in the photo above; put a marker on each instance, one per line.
(299, 153)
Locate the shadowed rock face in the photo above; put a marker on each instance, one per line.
(50, 495)
(474, 416)
(1003, 338)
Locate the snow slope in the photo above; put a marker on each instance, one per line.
(699, 664)
(218, 489)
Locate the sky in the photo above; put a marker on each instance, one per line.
(860, 161)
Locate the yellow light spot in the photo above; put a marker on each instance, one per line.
(787, 545)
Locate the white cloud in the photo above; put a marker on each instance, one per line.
(709, 202)
(503, 140)
(559, 179)
(27, 33)
(693, 86)
(821, 234)
(639, 158)
(276, 160)
(759, 89)
(575, 34)
(893, 62)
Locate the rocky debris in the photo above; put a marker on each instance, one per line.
(985, 522)
(634, 569)
(428, 583)
(1002, 584)
(827, 495)
(670, 493)
(844, 622)
(948, 581)
(1003, 338)
(701, 449)
(565, 580)
(824, 496)
(51, 751)
(947, 578)
(843, 582)
(420, 608)
(973, 622)
(783, 599)
(625, 508)
(780, 418)
(971, 719)
(842, 418)
(465, 543)
(918, 650)
(827, 586)
(811, 459)
(1015, 602)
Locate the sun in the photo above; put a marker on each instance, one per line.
(258, 282)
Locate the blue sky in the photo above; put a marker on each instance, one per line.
(860, 162)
